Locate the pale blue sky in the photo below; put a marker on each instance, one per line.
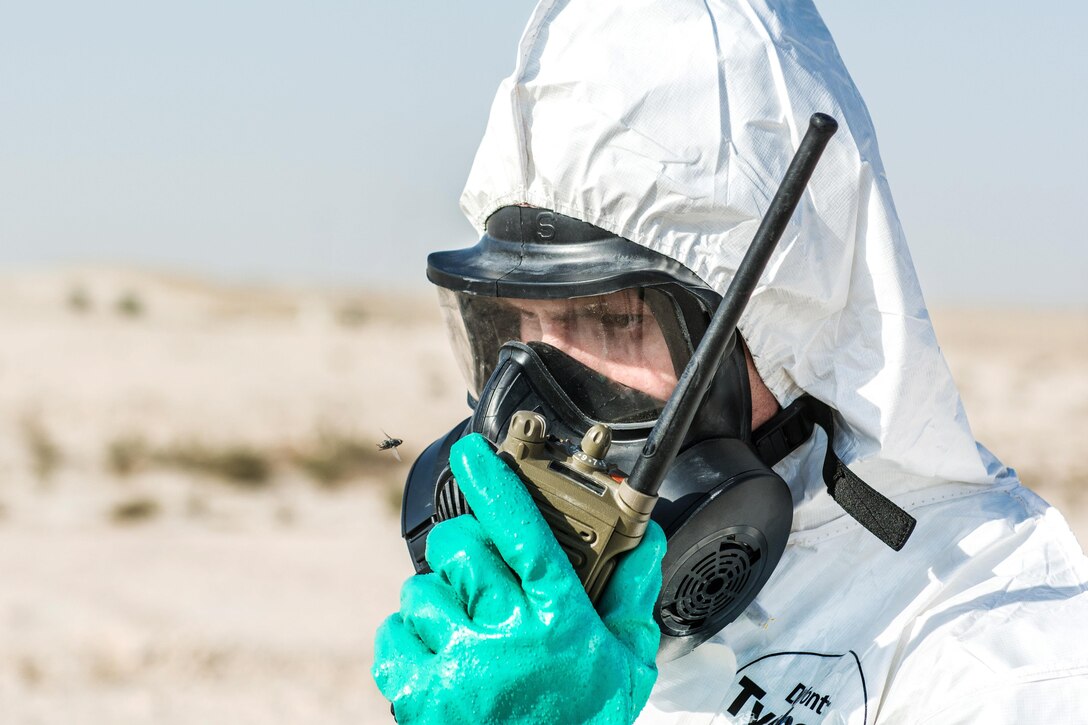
(328, 142)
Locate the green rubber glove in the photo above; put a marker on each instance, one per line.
(503, 631)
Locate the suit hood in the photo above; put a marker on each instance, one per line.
(671, 125)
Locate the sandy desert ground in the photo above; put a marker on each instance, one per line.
(196, 525)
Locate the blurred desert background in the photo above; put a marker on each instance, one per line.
(196, 524)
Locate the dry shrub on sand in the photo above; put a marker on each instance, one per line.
(127, 455)
(331, 458)
(134, 510)
(239, 464)
(45, 453)
(130, 304)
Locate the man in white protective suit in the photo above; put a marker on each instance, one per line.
(670, 125)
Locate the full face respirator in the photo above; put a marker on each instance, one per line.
(611, 379)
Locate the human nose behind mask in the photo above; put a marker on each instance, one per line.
(567, 327)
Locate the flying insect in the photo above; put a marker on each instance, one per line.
(390, 444)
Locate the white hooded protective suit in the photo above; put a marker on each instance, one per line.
(671, 124)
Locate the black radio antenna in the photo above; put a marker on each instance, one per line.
(672, 425)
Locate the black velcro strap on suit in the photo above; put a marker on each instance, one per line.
(793, 426)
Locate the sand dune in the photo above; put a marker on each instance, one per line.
(193, 525)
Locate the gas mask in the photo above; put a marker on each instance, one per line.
(589, 332)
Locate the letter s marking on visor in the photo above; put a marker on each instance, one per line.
(545, 226)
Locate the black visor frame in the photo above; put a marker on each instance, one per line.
(534, 253)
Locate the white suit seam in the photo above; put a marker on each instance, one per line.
(1077, 671)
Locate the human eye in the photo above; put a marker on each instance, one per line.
(620, 321)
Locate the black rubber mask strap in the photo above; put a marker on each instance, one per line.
(862, 502)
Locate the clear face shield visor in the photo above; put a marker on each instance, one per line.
(636, 341)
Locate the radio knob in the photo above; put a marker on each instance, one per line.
(526, 436)
(528, 426)
(596, 441)
(594, 447)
